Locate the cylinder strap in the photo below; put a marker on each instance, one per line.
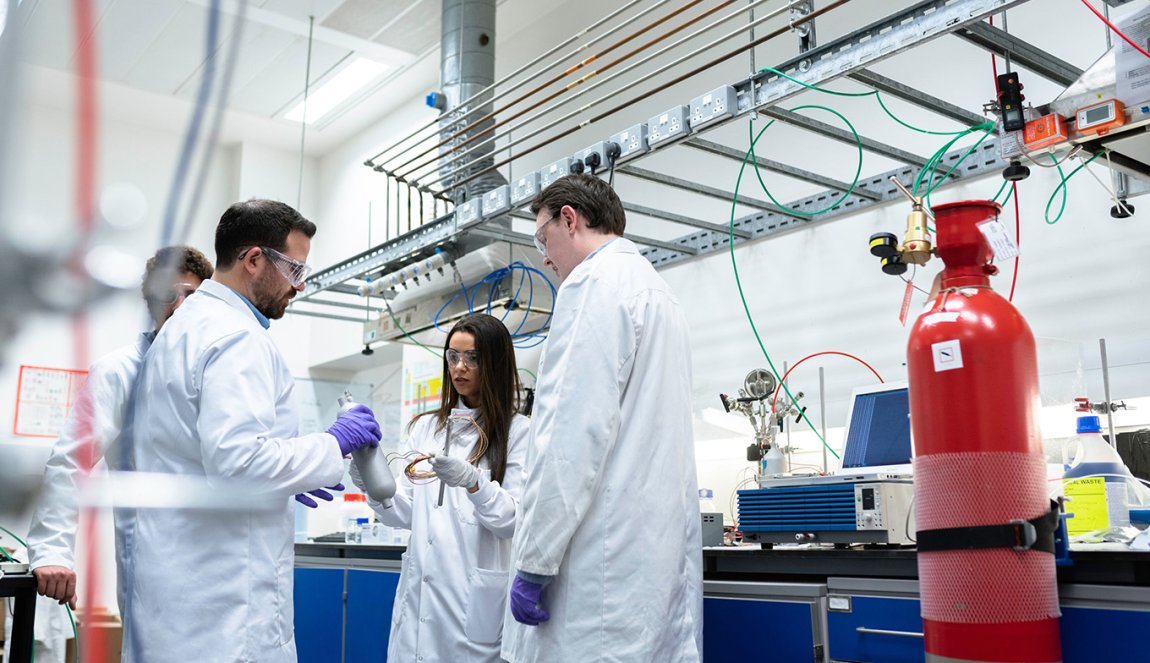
(1020, 535)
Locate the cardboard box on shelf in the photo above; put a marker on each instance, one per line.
(108, 628)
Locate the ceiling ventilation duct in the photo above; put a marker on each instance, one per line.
(467, 68)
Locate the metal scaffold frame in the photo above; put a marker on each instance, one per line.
(846, 57)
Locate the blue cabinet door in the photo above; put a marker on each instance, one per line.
(773, 630)
(1095, 634)
(319, 614)
(899, 615)
(370, 597)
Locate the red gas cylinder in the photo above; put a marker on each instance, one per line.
(978, 458)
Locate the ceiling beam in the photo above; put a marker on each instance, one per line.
(792, 171)
(844, 136)
(1021, 53)
(916, 97)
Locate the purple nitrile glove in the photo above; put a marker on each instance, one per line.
(526, 597)
(356, 428)
(322, 494)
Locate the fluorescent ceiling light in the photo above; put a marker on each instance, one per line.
(337, 89)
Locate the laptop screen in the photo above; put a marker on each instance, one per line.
(878, 428)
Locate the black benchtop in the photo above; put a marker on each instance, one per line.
(1104, 564)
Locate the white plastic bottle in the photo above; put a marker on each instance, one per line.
(1094, 481)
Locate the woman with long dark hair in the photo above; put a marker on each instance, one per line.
(459, 499)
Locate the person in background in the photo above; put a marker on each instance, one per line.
(453, 584)
(608, 549)
(216, 585)
(170, 276)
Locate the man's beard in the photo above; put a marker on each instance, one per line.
(266, 295)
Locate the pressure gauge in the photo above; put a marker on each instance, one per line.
(759, 383)
(1100, 118)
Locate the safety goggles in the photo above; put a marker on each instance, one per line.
(174, 294)
(294, 271)
(541, 238)
(470, 358)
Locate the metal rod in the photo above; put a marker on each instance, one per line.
(303, 120)
(387, 209)
(823, 415)
(1006, 55)
(559, 77)
(1105, 29)
(751, 20)
(446, 452)
(527, 66)
(615, 94)
(1106, 392)
(649, 93)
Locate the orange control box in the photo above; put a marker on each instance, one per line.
(1101, 117)
(1045, 131)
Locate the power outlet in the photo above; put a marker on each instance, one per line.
(525, 189)
(717, 104)
(632, 142)
(668, 126)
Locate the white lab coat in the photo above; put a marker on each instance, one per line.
(217, 586)
(610, 508)
(457, 569)
(97, 417)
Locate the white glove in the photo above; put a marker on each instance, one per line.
(455, 472)
(356, 477)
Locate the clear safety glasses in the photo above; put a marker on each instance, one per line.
(175, 293)
(294, 271)
(470, 358)
(540, 237)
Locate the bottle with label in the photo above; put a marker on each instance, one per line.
(354, 509)
(1095, 482)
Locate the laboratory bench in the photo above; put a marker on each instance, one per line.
(21, 587)
(782, 604)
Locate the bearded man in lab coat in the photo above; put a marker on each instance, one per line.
(170, 276)
(217, 585)
(608, 549)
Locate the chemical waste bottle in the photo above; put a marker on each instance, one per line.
(1094, 482)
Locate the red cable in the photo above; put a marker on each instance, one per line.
(1017, 240)
(1115, 30)
(812, 356)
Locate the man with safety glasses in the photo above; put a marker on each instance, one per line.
(217, 585)
(170, 276)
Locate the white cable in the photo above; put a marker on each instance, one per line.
(1109, 189)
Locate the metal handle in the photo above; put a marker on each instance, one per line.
(880, 631)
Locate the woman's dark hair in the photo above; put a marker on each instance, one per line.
(498, 386)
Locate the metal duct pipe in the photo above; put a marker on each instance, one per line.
(467, 70)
